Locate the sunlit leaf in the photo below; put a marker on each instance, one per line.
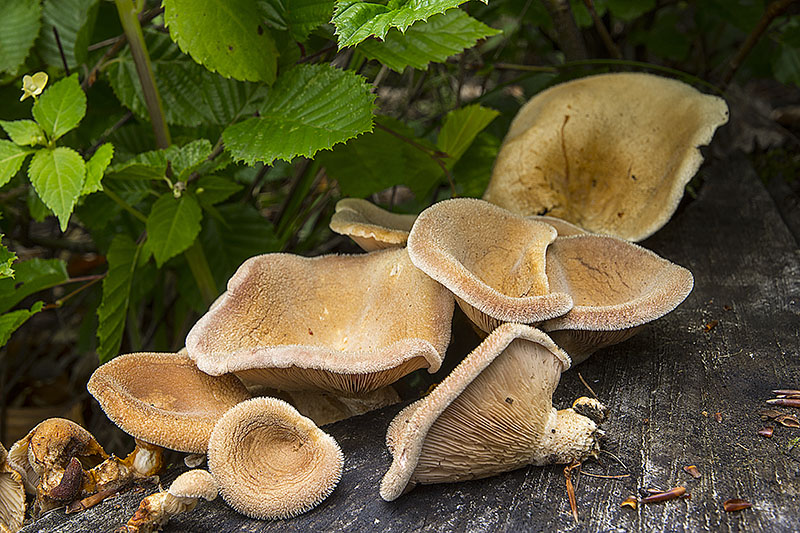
(61, 107)
(58, 175)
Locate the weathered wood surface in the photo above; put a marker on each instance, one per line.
(664, 388)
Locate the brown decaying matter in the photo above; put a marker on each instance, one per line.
(342, 323)
(610, 153)
(270, 461)
(370, 226)
(163, 399)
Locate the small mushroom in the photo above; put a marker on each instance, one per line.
(371, 227)
(616, 286)
(492, 414)
(155, 510)
(344, 324)
(12, 495)
(492, 260)
(611, 153)
(272, 462)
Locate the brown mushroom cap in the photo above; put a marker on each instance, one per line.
(347, 324)
(370, 226)
(491, 259)
(492, 414)
(164, 399)
(272, 462)
(611, 153)
(616, 286)
(12, 495)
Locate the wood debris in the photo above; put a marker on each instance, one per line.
(630, 501)
(573, 502)
(785, 402)
(789, 421)
(736, 504)
(671, 494)
(718, 417)
(766, 431)
(693, 471)
(710, 325)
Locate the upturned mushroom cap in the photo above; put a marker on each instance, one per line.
(492, 260)
(163, 399)
(492, 414)
(611, 153)
(370, 226)
(347, 324)
(272, 462)
(616, 286)
(12, 495)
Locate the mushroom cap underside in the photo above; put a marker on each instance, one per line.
(370, 226)
(12, 494)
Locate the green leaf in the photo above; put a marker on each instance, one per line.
(630, 9)
(355, 20)
(30, 277)
(61, 107)
(473, 171)
(6, 258)
(10, 322)
(435, 40)
(299, 17)
(225, 36)
(189, 157)
(95, 168)
(582, 16)
(58, 174)
(24, 132)
(460, 128)
(310, 108)
(11, 158)
(113, 309)
(74, 20)
(172, 226)
(786, 65)
(36, 207)
(19, 26)
(212, 190)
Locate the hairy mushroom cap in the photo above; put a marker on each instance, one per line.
(611, 153)
(492, 260)
(370, 226)
(164, 399)
(12, 495)
(492, 414)
(617, 286)
(564, 228)
(272, 462)
(342, 323)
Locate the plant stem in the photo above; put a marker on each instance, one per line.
(603, 31)
(124, 205)
(128, 15)
(567, 33)
(201, 272)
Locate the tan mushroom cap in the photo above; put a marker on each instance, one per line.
(163, 399)
(370, 226)
(347, 324)
(610, 153)
(616, 286)
(564, 228)
(195, 484)
(492, 414)
(12, 495)
(491, 259)
(272, 462)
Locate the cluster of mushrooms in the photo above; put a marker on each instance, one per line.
(543, 266)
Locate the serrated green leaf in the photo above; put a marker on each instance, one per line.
(460, 128)
(61, 107)
(36, 207)
(436, 39)
(189, 157)
(172, 226)
(30, 277)
(472, 172)
(310, 108)
(113, 309)
(10, 322)
(212, 190)
(24, 132)
(299, 17)
(95, 168)
(11, 158)
(225, 36)
(58, 174)
(74, 21)
(355, 20)
(7, 257)
(630, 9)
(19, 26)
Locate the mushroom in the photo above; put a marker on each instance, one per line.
(371, 227)
(155, 510)
(610, 153)
(339, 323)
(616, 286)
(12, 495)
(272, 462)
(492, 414)
(491, 259)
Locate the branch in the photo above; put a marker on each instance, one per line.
(601, 29)
(568, 35)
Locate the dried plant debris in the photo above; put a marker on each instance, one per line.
(630, 501)
(786, 392)
(770, 414)
(671, 494)
(710, 325)
(693, 471)
(736, 504)
(785, 402)
(766, 432)
(789, 421)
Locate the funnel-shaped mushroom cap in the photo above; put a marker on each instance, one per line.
(616, 286)
(348, 324)
(492, 414)
(564, 228)
(12, 495)
(491, 259)
(163, 399)
(371, 227)
(611, 153)
(272, 462)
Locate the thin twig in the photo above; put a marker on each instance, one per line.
(586, 384)
(617, 459)
(60, 302)
(61, 50)
(568, 35)
(622, 476)
(118, 124)
(104, 43)
(603, 31)
(573, 501)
